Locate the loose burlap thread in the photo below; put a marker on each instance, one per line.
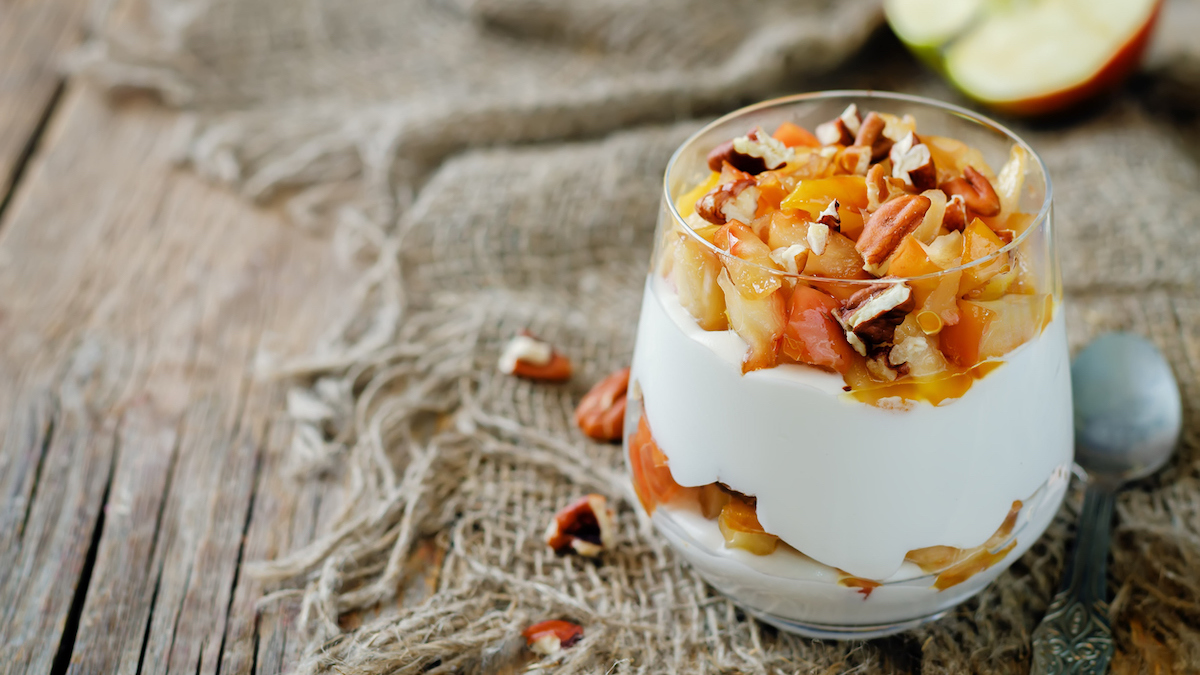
(367, 109)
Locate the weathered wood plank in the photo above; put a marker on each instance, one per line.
(133, 302)
(33, 35)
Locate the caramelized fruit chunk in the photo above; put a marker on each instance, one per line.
(741, 529)
(712, 498)
(652, 480)
(758, 321)
(687, 203)
(1014, 320)
(839, 261)
(814, 195)
(979, 242)
(795, 136)
(960, 342)
(812, 335)
(748, 256)
(694, 269)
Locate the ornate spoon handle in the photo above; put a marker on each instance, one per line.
(1074, 636)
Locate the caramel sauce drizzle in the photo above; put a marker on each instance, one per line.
(932, 391)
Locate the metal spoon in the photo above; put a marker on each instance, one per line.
(1128, 417)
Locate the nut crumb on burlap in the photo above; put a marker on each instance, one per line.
(369, 109)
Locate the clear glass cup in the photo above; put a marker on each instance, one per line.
(847, 504)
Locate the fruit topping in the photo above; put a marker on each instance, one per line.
(759, 321)
(652, 480)
(813, 335)
(740, 527)
(694, 270)
(795, 136)
(749, 261)
(863, 198)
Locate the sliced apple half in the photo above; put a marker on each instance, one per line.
(926, 25)
(1029, 57)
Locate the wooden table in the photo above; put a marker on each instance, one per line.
(141, 458)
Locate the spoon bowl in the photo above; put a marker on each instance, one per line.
(1128, 412)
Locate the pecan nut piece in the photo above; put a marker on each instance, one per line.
(551, 637)
(871, 315)
(601, 413)
(870, 135)
(890, 223)
(737, 200)
(842, 129)
(586, 526)
(955, 216)
(528, 357)
(877, 187)
(913, 163)
(830, 218)
(753, 153)
(855, 160)
(976, 190)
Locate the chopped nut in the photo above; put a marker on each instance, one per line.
(732, 201)
(551, 637)
(955, 216)
(840, 130)
(872, 314)
(753, 153)
(586, 526)
(791, 258)
(870, 135)
(830, 216)
(760, 145)
(890, 223)
(526, 356)
(877, 187)
(975, 190)
(818, 237)
(851, 118)
(601, 412)
(855, 160)
(913, 163)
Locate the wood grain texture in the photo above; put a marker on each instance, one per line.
(34, 34)
(134, 302)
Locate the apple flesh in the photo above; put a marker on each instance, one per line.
(1029, 58)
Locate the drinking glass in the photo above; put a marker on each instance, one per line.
(849, 505)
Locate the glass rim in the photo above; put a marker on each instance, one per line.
(1041, 219)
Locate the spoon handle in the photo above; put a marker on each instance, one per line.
(1074, 636)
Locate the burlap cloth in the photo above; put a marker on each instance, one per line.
(366, 118)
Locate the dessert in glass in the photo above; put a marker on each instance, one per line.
(850, 405)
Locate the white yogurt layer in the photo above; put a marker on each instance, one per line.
(851, 485)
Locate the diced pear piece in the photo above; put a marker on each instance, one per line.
(759, 321)
(694, 270)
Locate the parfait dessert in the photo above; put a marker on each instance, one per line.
(850, 401)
